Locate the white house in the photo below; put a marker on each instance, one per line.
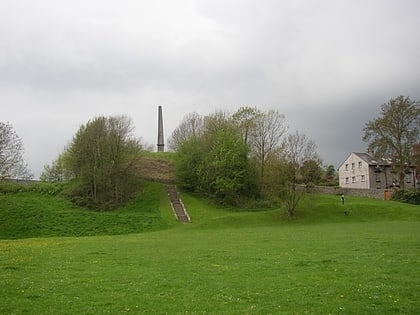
(354, 172)
(362, 171)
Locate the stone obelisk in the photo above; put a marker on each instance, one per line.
(160, 143)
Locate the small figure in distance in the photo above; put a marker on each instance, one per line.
(342, 199)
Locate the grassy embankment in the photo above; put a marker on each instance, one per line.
(224, 262)
(28, 214)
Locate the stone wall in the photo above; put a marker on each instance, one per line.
(369, 193)
(22, 181)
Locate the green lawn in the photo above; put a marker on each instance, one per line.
(226, 262)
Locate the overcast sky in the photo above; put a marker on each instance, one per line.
(327, 65)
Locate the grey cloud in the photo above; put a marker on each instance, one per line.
(328, 65)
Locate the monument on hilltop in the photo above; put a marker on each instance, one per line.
(160, 143)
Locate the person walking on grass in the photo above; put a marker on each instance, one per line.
(342, 199)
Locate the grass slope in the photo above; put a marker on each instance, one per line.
(225, 262)
(314, 209)
(25, 215)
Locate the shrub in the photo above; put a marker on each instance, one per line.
(10, 188)
(43, 188)
(50, 189)
(407, 196)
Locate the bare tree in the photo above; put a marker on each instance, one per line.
(190, 126)
(266, 136)
(12, 164)
(298, 149)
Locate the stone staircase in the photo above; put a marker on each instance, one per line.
(177, 205)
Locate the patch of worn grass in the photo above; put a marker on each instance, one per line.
(157, 166)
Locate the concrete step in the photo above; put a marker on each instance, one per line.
(177, 205)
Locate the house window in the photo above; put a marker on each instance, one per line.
(360, 165)
(377, 177)
(346, 167)
(353, 179)
(363, 178)
(408, 178)
(352, 166)
(347, 180)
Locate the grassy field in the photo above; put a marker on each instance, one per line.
(224, 262)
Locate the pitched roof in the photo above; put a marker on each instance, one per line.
(369, 159)
(366, 157)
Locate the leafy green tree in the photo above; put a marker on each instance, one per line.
(12, 165)
(311, 172)
(190, 160)
(56, 172)
(330, 173)
(393, 134)
(329, 176)
(216, 162)
(229, 165)
(215, 122)
(245, 118)
(102, 159)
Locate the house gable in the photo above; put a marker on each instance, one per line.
(354, 171)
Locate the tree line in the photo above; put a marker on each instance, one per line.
(244, 156)
(234, 159)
